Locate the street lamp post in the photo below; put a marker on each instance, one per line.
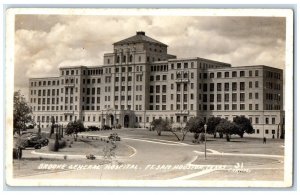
(205, 128)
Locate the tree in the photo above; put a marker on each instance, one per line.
(212, 123)
(22, 113)
(244, 125)
(160, 125)
(227, 127)
(73, 128)
(195, 125)
(52, 126)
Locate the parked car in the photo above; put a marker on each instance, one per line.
(114, 136)
(36, 141)
(106, 127)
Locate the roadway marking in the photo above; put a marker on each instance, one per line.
(214, 151)
(134, 150)
(191, 161)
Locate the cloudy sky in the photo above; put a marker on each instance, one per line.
(45, 42)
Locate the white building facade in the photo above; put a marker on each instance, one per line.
(140, 82)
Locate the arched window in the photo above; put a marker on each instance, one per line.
(118, 59)
(124, 58)
(130, 58)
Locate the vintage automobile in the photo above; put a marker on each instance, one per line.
(36, 141)
(106, 127)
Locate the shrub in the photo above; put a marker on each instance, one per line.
(93, 128)
(90, 157)
(118, 126)
(53, 147)
(61, 144)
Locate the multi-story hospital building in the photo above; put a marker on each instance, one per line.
(140, 81)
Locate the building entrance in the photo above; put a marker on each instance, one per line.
(126, 121)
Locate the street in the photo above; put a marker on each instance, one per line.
(156, 158)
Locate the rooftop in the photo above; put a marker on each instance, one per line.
(138, 38)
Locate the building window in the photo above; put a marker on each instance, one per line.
(219, 97)
(242, 86)
(219, 86)
(234, 107)
(211, 97)
(250, 73)
(211, 86)
(242, 73)
(266, 131)
(234, 97)
(226, 97)
(267, 121)
(234, 74)
(273, 121)
(242, 97)
(234, 86)
(226, 106)
(242, 106)
(226, 86)
(226, 74)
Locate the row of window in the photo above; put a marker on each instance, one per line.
(266, 131)
(44, 83)
(129, 69)
(158, 88)
(204, 107)
(159, 68)
(234, 74)
(122, 98)
(158, 78)
(226, 97)
(270, 74)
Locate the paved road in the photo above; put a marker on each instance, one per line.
(156, 159)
